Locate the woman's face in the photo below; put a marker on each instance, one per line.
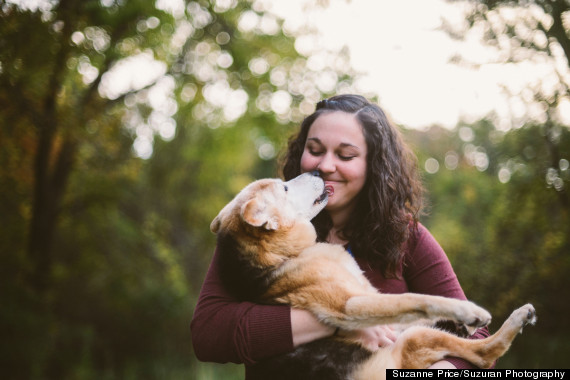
(336, 147)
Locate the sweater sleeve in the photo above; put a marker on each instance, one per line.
(428, 271)
(226, 330)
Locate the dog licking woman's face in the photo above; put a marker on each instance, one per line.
(272, 204)
(336, 147)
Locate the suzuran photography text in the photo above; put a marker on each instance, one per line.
(555, 374)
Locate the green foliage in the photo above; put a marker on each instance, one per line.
(508, 242)
(110, 180)
(109, 185)
(526, 245)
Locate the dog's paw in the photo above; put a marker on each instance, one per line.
(472, 316)
(523, 316)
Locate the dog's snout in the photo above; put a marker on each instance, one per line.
(316, 173)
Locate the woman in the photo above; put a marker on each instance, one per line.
(374, 202)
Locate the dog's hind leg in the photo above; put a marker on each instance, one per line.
(420, 347)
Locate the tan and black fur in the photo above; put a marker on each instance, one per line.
(269, 255)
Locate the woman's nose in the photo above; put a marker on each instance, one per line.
(326, 165)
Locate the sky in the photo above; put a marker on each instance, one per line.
(399, 45)
(406, 57)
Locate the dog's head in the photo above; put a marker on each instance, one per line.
(271, 204)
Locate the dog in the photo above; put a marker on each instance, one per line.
(269, 254)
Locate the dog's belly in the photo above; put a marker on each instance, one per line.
(336, 255)
(321, 276)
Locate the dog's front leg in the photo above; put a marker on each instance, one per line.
(374, 309)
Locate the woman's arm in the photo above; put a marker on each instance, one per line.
(306, 327)
(226, 330)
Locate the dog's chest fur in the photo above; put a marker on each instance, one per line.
(245, 281)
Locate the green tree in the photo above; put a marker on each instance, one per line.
(125, 126)
(528, 225)
(532, 27)
(498, 205)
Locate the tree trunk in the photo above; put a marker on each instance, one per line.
(51, 171)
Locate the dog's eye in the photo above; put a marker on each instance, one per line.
(286, 188)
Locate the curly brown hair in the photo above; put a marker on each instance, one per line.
(390, 202)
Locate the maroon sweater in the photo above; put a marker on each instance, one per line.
(225, 330)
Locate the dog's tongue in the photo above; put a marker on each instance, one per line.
(329, 189)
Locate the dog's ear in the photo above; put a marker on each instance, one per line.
(215, 225)
(222, 215)
(254, 212)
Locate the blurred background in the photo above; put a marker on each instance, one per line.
(125, 126)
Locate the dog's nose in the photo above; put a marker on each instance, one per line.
(316, 173)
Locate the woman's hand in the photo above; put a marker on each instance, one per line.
(306, 328)
(372, 337)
